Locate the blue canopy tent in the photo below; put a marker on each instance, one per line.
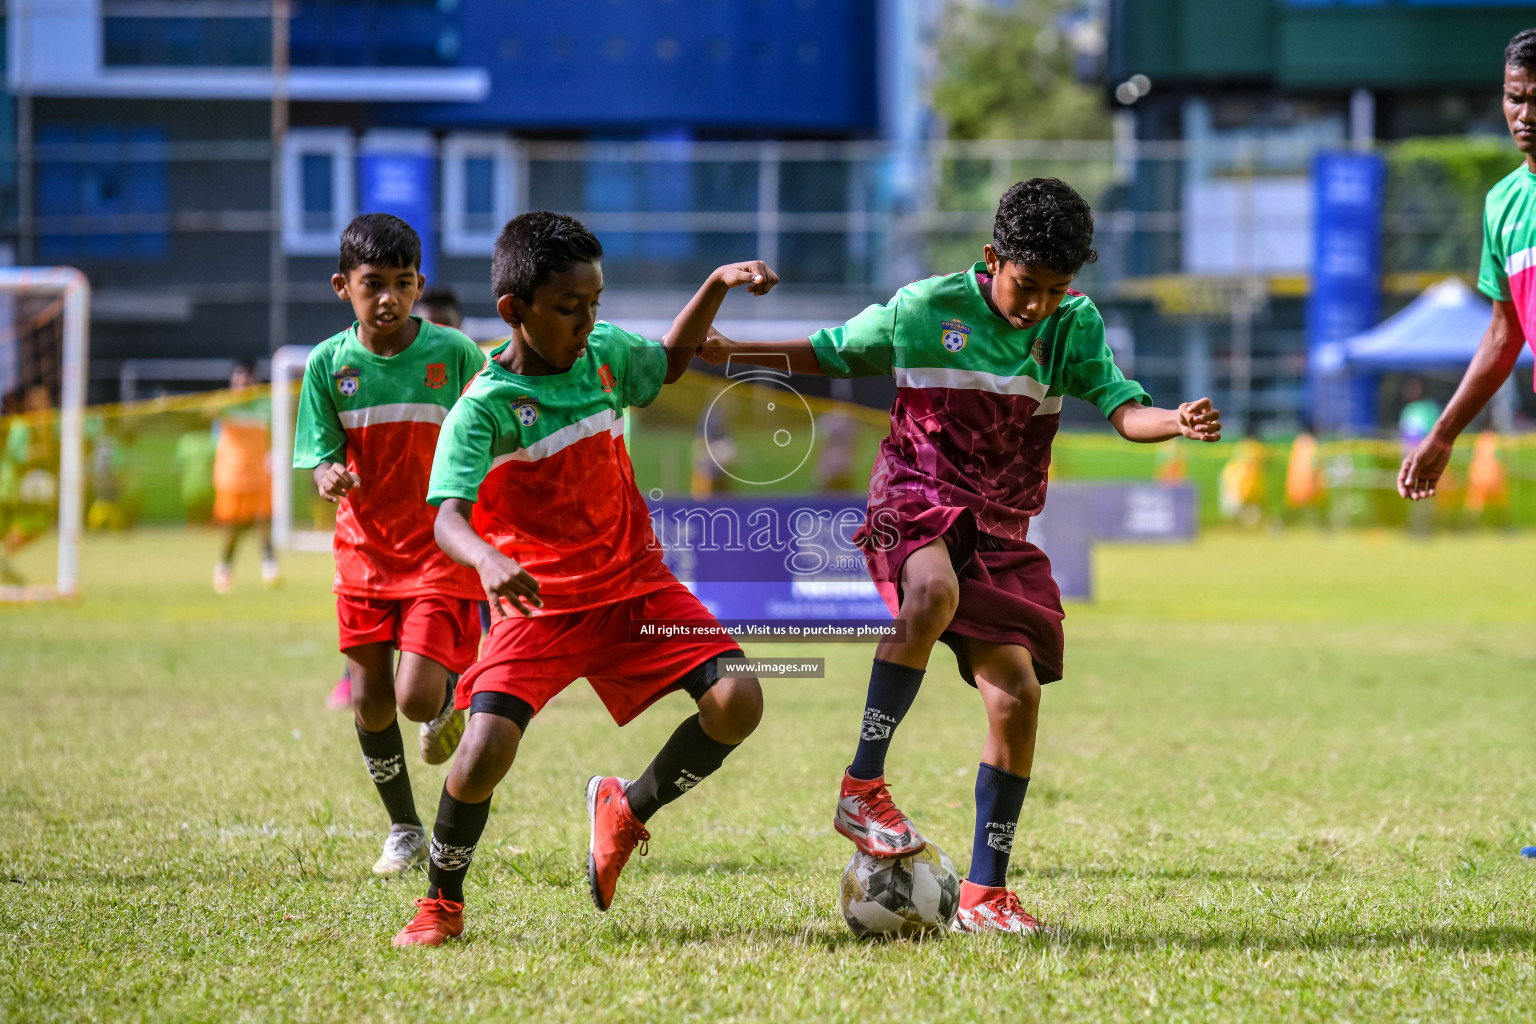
(1439, 330)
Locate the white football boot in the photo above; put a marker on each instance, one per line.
(404, 848)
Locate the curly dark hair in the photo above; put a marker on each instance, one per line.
(1521, 51)
(379, 240)
(534, 245)
(1044, 221)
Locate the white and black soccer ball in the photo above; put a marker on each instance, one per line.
(900, 897)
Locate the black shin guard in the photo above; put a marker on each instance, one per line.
(687, 758)
(455, 835)
(384, 756)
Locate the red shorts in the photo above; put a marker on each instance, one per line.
(1007, 593)
(534, 659)
(445, 629)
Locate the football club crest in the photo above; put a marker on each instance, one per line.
(1038, 351)
(346, 380)
(954, 335)
(526, 410)
(437, 374)
(605, 375)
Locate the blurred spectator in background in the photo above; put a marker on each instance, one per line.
(1303, 476)
(1418, 416)
(441, 306)
(1413, 425)
(1169, 465)
(1242, 484)
(1487, 480)
(29, 466)
(713, 453)
(194, 457)
(242, 477)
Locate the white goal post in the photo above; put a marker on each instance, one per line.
(75, 293)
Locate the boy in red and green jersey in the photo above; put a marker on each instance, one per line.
(373, 401)
(982, 360)
(537, 493)
(1507, 276)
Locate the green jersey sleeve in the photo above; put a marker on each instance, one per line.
(863, 347)
(471, 360)
(645, 368)
(1089, 371)
(318, 436)
(1491, 279)
(463, 455)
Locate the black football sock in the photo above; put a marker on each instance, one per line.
(892, 688)
(999, 799)
(453, 686)
(687, 758)
(455, 835)
(384, 756)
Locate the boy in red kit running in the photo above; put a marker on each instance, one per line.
(981, 361)
(373, 399)
(536, 492)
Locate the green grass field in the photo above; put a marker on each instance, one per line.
(1286, 778)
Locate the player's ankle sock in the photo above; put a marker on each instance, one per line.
(684, 761)
(999, 799)
(455, 835)
(384, 756)
(453, 686)
(892, 688)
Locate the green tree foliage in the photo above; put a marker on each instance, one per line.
(1434, 201)
(1006, 73)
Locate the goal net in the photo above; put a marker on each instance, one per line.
(44, 350)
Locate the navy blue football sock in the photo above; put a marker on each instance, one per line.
(892, 688)
(999, 799)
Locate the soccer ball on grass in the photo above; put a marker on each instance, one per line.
(900, 897)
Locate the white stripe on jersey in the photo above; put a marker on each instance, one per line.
(969, 380)
(1525, 259)
(399, 412)
(599, 422)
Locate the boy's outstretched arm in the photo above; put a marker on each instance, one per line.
(500, 576)
(799, 352)
(691, 326)
(1198, 420)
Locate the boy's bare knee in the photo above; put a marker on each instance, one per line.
(932, 599)
(371, 713)
(731, 709)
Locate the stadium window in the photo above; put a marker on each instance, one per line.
(317, 189)
(103, 193)
(480, 188)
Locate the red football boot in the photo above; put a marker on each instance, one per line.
(866, 815)
(436, 921)
(615, 834)
(992, 909)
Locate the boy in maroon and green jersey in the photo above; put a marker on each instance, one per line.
(1507, 276)
(373, 400)
(982, 360)
(537, 493)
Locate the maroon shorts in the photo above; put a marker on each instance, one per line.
(534, 659)
(445, 629)
(1007, 594)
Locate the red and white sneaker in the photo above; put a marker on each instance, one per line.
(866, 815)
(992, 909)
(436, 922)
(615, 834)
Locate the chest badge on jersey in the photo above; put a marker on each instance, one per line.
(605, 375)
(346, 380)
(954, 335)
(1038, 351)
(437, 375)
(526, 410)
